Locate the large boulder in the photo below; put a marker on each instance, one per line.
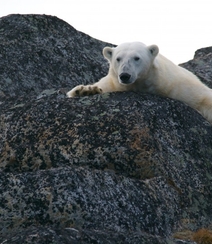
(111, 168)
(44, 52)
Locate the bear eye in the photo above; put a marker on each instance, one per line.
(118, 59)
(136, 58)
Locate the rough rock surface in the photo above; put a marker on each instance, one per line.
(201, 65)
(43, 52)
(111, 168)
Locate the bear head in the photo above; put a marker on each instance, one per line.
(130, 61)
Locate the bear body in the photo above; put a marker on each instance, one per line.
(140, 68)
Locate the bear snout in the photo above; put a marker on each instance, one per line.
(125, 78)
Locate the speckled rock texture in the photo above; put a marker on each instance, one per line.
(111, 168)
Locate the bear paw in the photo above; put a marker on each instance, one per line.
(80, 91)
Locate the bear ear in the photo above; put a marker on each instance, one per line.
(154, 50)
(108, 53)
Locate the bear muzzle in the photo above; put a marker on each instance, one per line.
(125, 78)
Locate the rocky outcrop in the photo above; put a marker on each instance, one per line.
(201, 65)
(44, 52)
(111, 168)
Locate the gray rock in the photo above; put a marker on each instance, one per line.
(111, 168)
(44, 52)
(201, 65)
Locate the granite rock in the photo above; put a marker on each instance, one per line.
(44, 52)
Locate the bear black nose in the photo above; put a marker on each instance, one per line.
(124, 77)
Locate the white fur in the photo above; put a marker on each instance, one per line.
(137, 67)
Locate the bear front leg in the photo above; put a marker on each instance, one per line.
(80, 91)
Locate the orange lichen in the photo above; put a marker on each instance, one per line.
(203, 236)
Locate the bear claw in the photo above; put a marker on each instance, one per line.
(81, 90)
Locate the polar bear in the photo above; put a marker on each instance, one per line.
(140, 68)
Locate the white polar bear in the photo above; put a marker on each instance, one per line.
(137, 67)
